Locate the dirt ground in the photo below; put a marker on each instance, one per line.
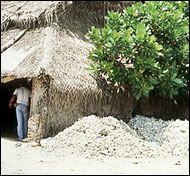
(26, 159)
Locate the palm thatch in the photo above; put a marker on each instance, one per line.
(30, 14)
(61, 56)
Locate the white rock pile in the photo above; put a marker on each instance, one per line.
(142, 137)
(172, 136)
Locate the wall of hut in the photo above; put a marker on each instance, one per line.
(54, 110)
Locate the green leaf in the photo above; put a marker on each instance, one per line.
(178, 81)
(87, 36)
(127, 35)
(104, 32)
(109, 45)
(158, 47)
(145, 92)
(176, 16)
(130, 10)
(152, 39)
(151, 87)
(170, 95)
(155, 13)
(185, 29)
(175, 92)
(141, 31)
(186, 48)
(93, 28)
(154, 81)
(90, 69)
(165, 71)
(140, 35)
(112, 41)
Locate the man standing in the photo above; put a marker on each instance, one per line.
(21, 96)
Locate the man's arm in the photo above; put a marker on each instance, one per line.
(12, 101)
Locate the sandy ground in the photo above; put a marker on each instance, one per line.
(25, 159)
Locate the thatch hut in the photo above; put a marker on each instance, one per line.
(43, 44)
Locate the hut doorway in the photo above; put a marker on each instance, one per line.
(8, 116)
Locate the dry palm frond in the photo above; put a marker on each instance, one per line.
(13, 41)
(31, 14)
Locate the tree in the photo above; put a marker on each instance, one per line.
(145, 48)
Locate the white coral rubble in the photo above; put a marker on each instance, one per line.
(142, 137)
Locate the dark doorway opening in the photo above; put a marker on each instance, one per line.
(8, 116)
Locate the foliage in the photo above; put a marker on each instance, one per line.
(146, 48)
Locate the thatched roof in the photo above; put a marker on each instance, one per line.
(23, 14)
(62, 57)
(54, 42)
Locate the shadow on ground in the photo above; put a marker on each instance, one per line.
(9, 133)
